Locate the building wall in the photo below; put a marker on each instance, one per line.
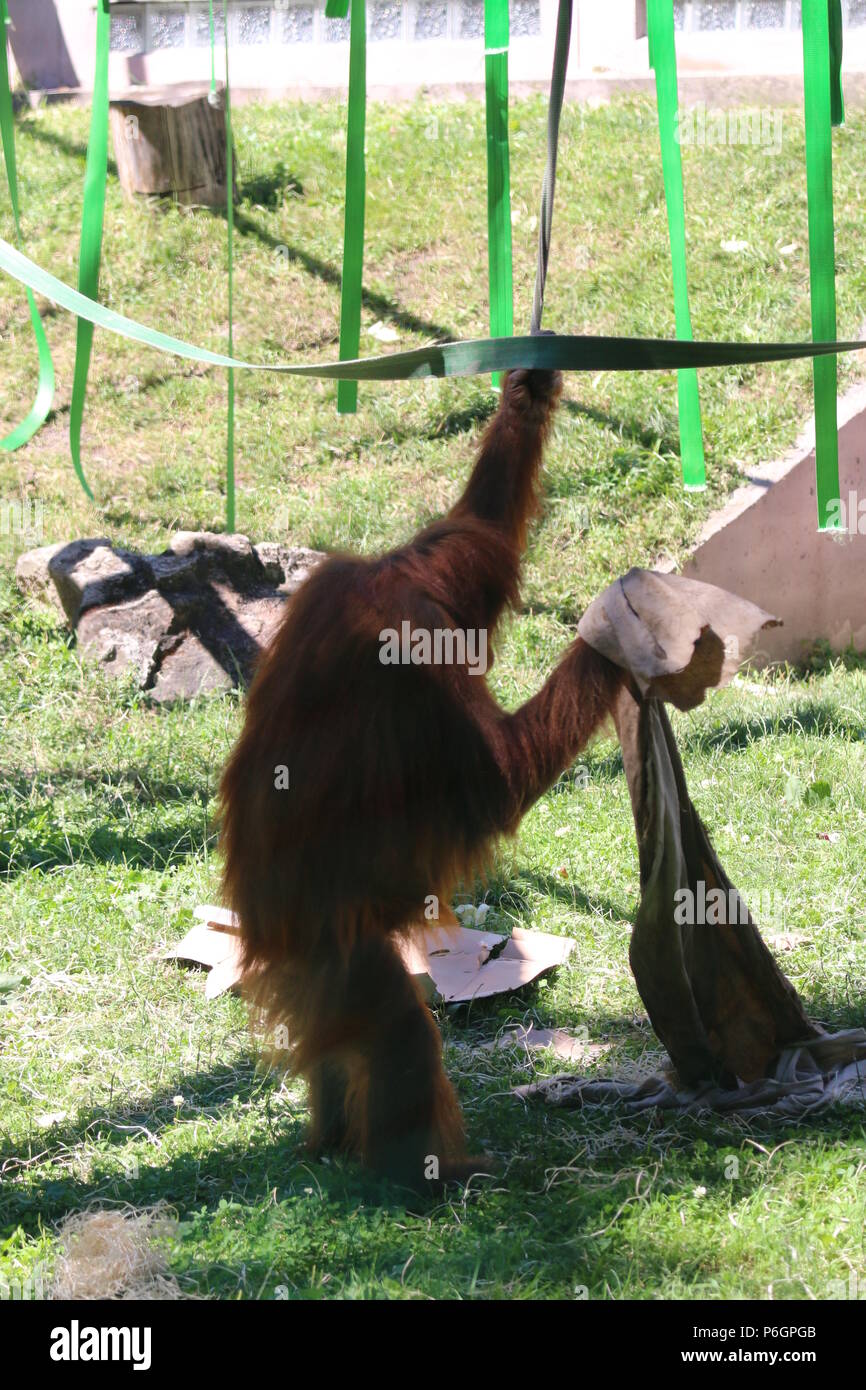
(290, 45)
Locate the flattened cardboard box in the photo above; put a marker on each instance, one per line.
(450, 963)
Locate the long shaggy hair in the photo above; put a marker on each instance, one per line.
(400, 777)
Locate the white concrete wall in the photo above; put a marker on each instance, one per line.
(53, 45)
(605, 33)
(53, 42)
(765, 545)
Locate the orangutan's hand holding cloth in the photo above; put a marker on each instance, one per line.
(734, 1026)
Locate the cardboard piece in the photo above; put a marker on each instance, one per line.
(215, 943)
(677, 637)
(526, 956)
(450, 963)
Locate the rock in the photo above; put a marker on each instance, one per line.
(285, 566)
(231, 555)
(170, 571)
(189, 669)
(192, 620)
(32, 577)
(129, 635)
(89, 573)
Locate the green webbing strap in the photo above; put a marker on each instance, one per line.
(45, 387)
(498, 177)
(836, 102)
(230, 225)
(93, 213)
(554, 110)
(822, 33)
(819, 83)
(570, 353)
(663, 57)
(356, 178)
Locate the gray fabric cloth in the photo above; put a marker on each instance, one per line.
(734, 1026)
(806, 1079)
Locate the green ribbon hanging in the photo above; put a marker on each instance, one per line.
(663, 58)
(472, 357)
(230, 226)
(822, 36)
(45, 386)
(92, 218)
(356, 185)
(837, 105)
(496, 36)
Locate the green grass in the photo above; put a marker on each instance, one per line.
(119, 1082)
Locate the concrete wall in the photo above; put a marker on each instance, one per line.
(47, 41)
(289, 45)
(765, 545)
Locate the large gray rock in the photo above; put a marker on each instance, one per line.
(32, 577)
(190, 621)
(127, 636)
(187, 668)
(212, 553)
(89, 573)
(286, 567)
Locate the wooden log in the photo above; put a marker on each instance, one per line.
(171, 142)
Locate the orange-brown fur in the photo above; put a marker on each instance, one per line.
(401, 777)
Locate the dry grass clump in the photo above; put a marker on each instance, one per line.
(112, 1255)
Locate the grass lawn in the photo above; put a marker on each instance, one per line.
(119, 1082)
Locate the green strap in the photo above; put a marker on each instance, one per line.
(230, 225)
(574, 353)
(356, 179)
(663, 57)
(819, 104)
(835, 21)
(92, 217)
(45, 386)
(498, 174)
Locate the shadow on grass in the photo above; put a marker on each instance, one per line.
(277, 1162)
(272, 185)
(817, 718)
(32, 127)
(573, 896)
(270, 188)
(628, 428)
(373, 300)
(32, 836)
(292, 1218)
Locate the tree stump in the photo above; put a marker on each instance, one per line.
(171, 142)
